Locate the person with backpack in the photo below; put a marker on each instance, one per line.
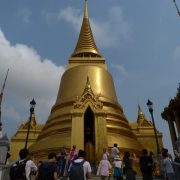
(146, 165)
(62, 161)
(48, 170)
(30, 168)
(80, 169)
(22, 169)
(168, 167)
(72, 156)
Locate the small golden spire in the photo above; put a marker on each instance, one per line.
(140, 118)
(33, 122)
(86, 46)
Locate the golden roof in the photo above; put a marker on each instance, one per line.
(86, 46)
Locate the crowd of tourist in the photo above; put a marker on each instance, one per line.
(73, 165)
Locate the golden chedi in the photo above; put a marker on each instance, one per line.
(86, 112)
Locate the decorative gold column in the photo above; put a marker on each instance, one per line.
(177, 120)
(77, 133)
(101, 134)
(172, 131)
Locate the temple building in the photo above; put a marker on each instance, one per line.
(143, 128)
(86, 112)
(18, 140)
(171, 114)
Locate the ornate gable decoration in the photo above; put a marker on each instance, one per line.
(26, 124)
(146, 123)
(86, 97)
(141, 120)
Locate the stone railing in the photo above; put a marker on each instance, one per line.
(176, 167)
(4, 172)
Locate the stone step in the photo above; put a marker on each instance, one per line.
(111, 178)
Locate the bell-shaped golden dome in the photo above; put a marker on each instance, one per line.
(74, 79)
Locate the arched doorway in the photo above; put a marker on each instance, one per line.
(89, 135)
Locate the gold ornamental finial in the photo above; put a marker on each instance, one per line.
(86, 46)
(139, 110)
(86, 10)
(140, 118)
(88, 86)
(33, 122)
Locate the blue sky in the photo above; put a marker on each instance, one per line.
(139, 39)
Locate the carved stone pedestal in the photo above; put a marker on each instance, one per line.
(4, 148)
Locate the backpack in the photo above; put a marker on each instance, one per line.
(17, 171)
(145, 164)
(46, 171)
(77, 171)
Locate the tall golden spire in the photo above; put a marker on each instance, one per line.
(86, 46)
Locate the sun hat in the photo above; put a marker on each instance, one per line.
(117, 158)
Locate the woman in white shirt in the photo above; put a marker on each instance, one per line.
(30, 167)
(168, 168)
(117, 164)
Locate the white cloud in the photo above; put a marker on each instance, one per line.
(112, 31)
(12, 114)
(29, 77)
(177, 52)
(72, 16)
(25, 14)
(121, 69)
